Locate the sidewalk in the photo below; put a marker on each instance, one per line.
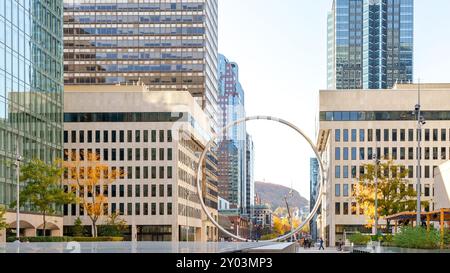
(316, 250)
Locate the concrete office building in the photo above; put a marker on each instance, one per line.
(168, 45)
(355, 124)
(370, 43)
(155, 137)
(31, 100)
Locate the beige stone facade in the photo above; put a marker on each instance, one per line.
(156, 138)
(355, 124)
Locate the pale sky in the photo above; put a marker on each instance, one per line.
(280, 47)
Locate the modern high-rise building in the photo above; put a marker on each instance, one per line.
(250, 175)
(313, 194)
(232, 143)
(168, 45)
(356, 124)
(155, 138)
(31, 96)
(370, 43)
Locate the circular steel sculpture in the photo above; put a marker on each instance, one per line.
(200, 174)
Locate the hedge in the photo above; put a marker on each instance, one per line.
(49, 239)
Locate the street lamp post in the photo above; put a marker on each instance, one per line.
(17, 164)
(290, 194)
(420, 123)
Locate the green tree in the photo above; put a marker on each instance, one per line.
(78, 228)
(394, 194)
(3, 224)
(43, 189)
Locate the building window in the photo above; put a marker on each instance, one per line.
(73, 137)
(427, 134)
(137, 136)
(154, 136)
(337, 154)
(345, 153)
(161, 154)
(370, 135)
(153, 208)
(402, 135)
(161, 135)
(169, 191)
(169, 154)
(169, 208)
(361, 154)
(362, 137)
(129, 136)
(354, 152)
(130, 209)
(66, 138)
(153, 172)
(386, 135)
(113, 136)
(105, 137)
(161, 172)
(435, 135)
(121, 191)
(443, 134)
(153, 154)
(345, 171)
(378, 135)
(354, 208)
(153, 191)
(169, 172)
(122, 136)
(337, 208)
(97, 137)
(345, 208)
(443, 153)
(161, 208)
(137, 208)
(338, 172)
(169, 136)
(145, 136)
(345, 135)
(345, 190)
(337, 190)
(129, 190)
(354, 132)
(410, 135)
(145, 210)
(81, 137)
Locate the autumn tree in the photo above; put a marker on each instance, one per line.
(3, 224)
(43, 189)
(90, 177)
(394, 193)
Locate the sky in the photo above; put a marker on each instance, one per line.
(280, 47)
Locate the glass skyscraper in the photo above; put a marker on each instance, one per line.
(31, 85)
(165, 44)
(370, 43)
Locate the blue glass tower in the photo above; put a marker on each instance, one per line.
(314, 194)
(31, 86)
(370, 43)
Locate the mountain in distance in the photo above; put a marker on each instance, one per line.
(273, 194)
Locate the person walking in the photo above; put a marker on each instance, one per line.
(321, 244)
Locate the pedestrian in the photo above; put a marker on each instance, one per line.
(321, 244)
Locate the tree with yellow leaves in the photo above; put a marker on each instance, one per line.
(394, 194)
(89, 176)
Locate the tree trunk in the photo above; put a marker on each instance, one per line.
(94, 229)
(388, 225)
(45, 223)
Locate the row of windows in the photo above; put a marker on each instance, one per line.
(139, 172)
(114, 136)
(114, 154)
(125, 191)
(139, 209)
(353, 210)
(427, 190)
(355, 172)
(392, 135)
(394, 153)
(382, 116)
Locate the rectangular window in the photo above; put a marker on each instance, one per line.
(394, 154)
(402, 153)
(153, 172)
(443, 134)
(137, 154)
(354, 135)
(169, 136)
(161, 154)
(145, 210)
(113, 136)
(161, 135)
(121, 154)
(129, 154)
(378, 135)
(137, 136)
(154, 136)
(81, 136)
(153, 208)
(345, 208)
(121, 191)
(145, 191)
(354, 208)
(129, 136)
(354, 172)
(105, 137)
(161, 190)
(169, 190)
(354, 154)
(435, 153)
(337, 154)
(427, 134)
(402, 135)
(130, 172)
(97, 137)
(410, 153)
(145, 136)
(113, 191)
(169, 172)
(386, 135)
(345, 135)
(169, 208)
(346, 194)
(337, 190)
(345, 153)
(337, 172)
(435, 135)
(337, 208)
(122, 209)
(129, 190)
(345, 171)
(153, 154)
(410, 135)
(169, 154)
(153, 191)
(145, 172)
(161, 208)
(73, 137)
(337, 135)
(370, 135)
(410, 172)
(137, 208)
(89, 136)
(361, 154)
(145, 154)
(130, 209)
(362, 137)
(161, 172)
(443, 153)
(66, 138)
(137, 174)
(122, 136)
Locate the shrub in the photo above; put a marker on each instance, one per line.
(78, 228)
(419, 238)
(48, 239)
(268, 237)
(359, 239)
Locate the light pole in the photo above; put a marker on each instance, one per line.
(17, 164)
(420, 123)
(377, 162)
(290, 194)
